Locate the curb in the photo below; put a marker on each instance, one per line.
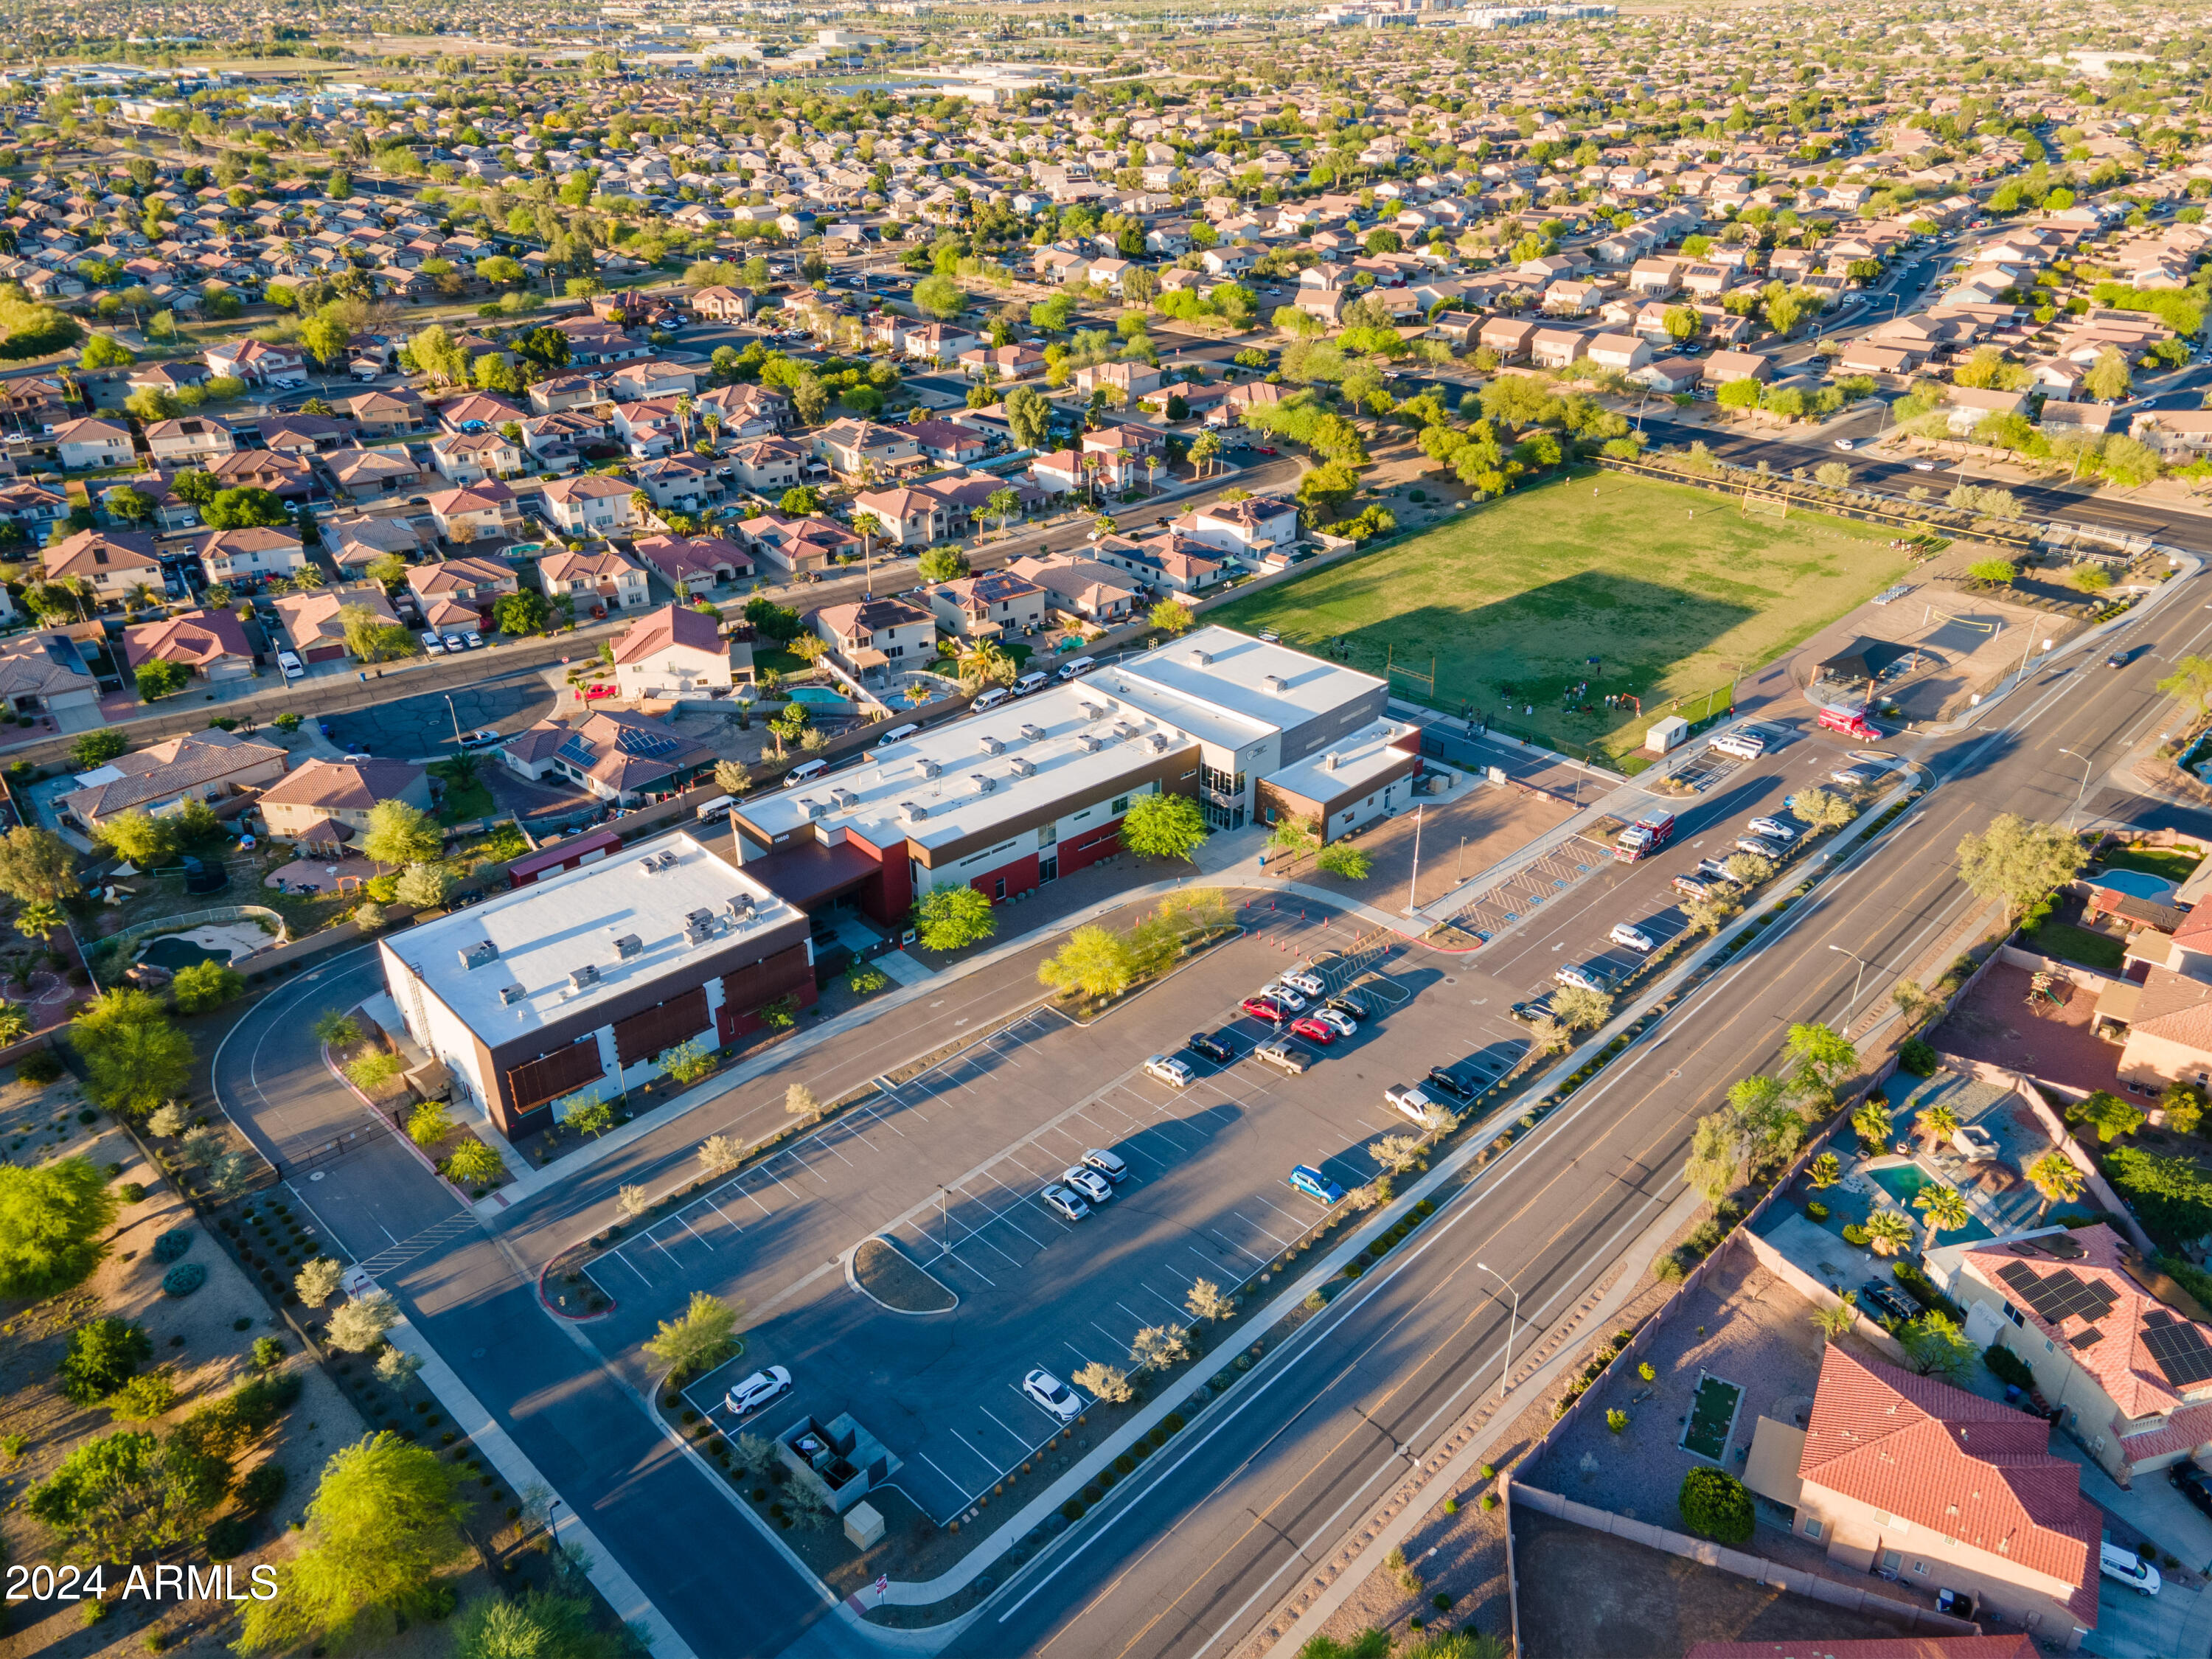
(853, 1283)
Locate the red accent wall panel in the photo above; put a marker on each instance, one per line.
(891, 895)
(1080, 852)
(1020, 876)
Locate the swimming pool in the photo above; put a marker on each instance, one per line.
(2140, 883)
(814, 694)
(1903, 1182)
(173, 951)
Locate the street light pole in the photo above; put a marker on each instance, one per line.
(457, 720)
(1505, 1377)
(1412, 887)
(2082, 790)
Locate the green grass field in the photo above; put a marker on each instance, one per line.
(1673, 589)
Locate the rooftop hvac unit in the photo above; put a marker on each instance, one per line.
(845, 799)
(583, 978)
(1022, 768)
(913, 811)
(813, 809)
(1200, 658)
(1094, 711)
(475, 956)
(645, 864)
(1328, 761)
(1274, 685)
(698, 932)
(741, 908)
(1158, 742)
(668, 860)
(1033, 734)
(1090, 744)
(990, 745)
(924, 768)
(1123, 729)
(701, 917)
(984, 784)
(629, 947)
(509, 995)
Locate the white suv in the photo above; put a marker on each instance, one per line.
(1744, 745)
(1300, 980)
(1173, 1072)
(1053, 1396)
(1415, 1102)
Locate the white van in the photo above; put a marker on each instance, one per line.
(1033, 682)
(716, 808)
(804, 772)
(897, 734)
(991, 699)
(1069, 671)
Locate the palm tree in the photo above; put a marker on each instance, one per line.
(2055, 1176)
(1890, 1233)
(684, 406)
(138, 596)
(867, 527)
(1871, 1121)
(1938, 1123)
(1004, 502)
(1152, 469)
(1942, 1211)
(1825, 1171)
(39, 921)
(1834, 1321)
(712, 422)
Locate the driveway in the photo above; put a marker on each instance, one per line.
(2177, 1622)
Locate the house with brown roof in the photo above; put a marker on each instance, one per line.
(479, 584)
(257, 553)
(314, 624)
(197, 766)
(2120, 1349)
(43, 675)
(796, 545)
(479, 512)
(604, 578)
(695, 561)
(90, 441)
(113, 561)
(592, 504)
(189, 440)
(875, 635)
(675, 652)
(1082, 587)
(1940, 1489)
(328, 802)
(987, 606)
(620, 757)
(368, 474)
(212, 643)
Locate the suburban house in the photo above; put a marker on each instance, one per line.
(1257, 524)
(1167, 560)
(1970, 405)
(695, 561)
(876, 633)
(258, 363)
(479, 512)
(258, 554)
(987, 606)
(212, 643)
(1723, 367)
(590, 504)
(1938, 1488)
(189, 440)
(1081, 586)
(620, 757)
(604, 578)
(313, 622)
(327, 803)
(198, 766)
(675, 652)
(797, 544)
(43, 676)
(479, 584)
(91, 441)
(850, 448)
(112, 561)
(910, 518)
(368, 474)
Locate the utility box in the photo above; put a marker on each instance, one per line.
(863, 1526)
(1666, 734)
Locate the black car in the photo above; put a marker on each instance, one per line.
(2118, 659)
(1888, 1299)
(2194, 1484)
(1445, 1083)
(1214, 1046)
(1350, 1004)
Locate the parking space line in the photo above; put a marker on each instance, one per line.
(739, 1183)
(824, 1145)
(1109, 1336)
(1234, 1245)
(792, 1152)
(1290, 1215)
(1253, 1224)
(665, 1251)
(885, 1121)
(971, 1444)
(959, 1491)
(691, 1229)
(1175, 1308)
(1006, 1214)
(968, 1232)
(1018, 1438)
(1077, 1351)
(708, 1201)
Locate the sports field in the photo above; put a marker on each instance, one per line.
(1672, 589)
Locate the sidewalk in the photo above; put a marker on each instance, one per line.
(499, 1450)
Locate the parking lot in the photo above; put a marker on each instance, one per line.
(951, 1164)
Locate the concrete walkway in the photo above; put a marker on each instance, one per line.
(499, 1450)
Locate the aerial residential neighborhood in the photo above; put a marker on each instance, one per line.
(1330, 830)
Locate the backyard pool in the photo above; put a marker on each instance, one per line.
(176, 951)
(1903, 1182)
(2141, 884)
(814, 694)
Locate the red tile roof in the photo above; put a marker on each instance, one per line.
(1966, 1468)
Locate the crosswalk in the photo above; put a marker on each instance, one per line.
(395, 1256)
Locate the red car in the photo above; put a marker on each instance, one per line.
(1267, 449)
(1313, 1031)
(1262, 1008)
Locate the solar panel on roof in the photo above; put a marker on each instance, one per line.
(2060, 1296)
(2088, 1339)
(2181, 1352)
(632, 741)
(577, 752)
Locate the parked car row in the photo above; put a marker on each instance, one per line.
(1085, 1185)
(442, 644)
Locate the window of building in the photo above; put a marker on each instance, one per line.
(1891, 1560)
(1812, 1527)
(999, 888)
(1049, 836)
(1920, 1567)
(2014, 1314)
(1121, 803)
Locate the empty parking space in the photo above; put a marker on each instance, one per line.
(1202, 1194)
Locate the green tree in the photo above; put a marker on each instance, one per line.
(399, 833)
(1822, 1054)
(942, 564)
(38, 866)
(2107, 1114)
(472, 1164)
(701, 1338)
(101, 1357)
(428, 1123)
(1095, 962)
(521, 613)
(246, 508)
(940, 296)
(2019, 861)
(385, 1519)
(158, 677)
(1941, 1210)
(1172, 617)
(951, 918)
(2055, 1177)
(1716, 1505)
(1996, 573)
(205, 985)
(536, 1624)
(1161, 826)
(2191, 679)
(1823, 809)
(53, 1225)
(1935, 1347)
(139, 838)
(105, 351)
(134, 1058)
(131, 1493)
(1345, 859)
(2108, 379)
(1029, 415)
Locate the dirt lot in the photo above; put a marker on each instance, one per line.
(1461, 834)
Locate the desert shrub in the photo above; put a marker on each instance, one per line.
(1916, 1056)
(1716, 1505)
(101, 1357)
(172, 1245)
(183, 1278)
(2007, 1366)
